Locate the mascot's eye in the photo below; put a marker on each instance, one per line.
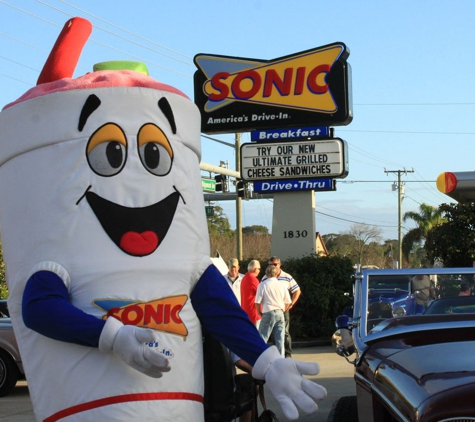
(107, 150)
(154, 149)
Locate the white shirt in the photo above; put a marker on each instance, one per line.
(288, 280)
(272, 294)
(235, 284)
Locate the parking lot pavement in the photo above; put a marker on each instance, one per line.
(16, 407)
(336, 375)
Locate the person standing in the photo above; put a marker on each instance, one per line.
(295, 293)
(272, 300)
(234, 277)
(464, 289)
(249, 285)
(424, 289)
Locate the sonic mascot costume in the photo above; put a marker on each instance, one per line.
(107, 252)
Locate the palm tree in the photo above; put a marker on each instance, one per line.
(427, 218)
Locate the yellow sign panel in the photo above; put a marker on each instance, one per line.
(298, 81)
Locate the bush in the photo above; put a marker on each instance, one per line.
(3, 283)
(323, 281)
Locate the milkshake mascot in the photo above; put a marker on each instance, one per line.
(107, 251)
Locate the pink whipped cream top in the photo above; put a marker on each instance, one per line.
(99, 79)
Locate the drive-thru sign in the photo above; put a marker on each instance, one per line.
(294, 160)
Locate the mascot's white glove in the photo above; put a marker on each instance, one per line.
(286, 383)
(129, 344)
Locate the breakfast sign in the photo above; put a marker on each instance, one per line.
(239, 95)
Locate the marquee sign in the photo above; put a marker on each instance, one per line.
(294, 160)
(239, 95)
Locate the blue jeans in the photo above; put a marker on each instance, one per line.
(272, 322)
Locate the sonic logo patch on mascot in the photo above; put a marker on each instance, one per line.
(106, 249)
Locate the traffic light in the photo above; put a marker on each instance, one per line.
(221, 185)
(241, 189)
(459, 186)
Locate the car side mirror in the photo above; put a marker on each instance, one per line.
(342, 321)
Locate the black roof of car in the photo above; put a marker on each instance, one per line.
(4, 308)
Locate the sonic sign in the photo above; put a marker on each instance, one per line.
(239, 95)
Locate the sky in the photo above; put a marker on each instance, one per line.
(412, 81)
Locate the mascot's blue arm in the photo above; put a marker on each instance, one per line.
(47, 310)
(222, 316)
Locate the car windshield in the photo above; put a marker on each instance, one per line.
(390, 301)
(395, 282)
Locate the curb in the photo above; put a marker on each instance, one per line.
(311, 343)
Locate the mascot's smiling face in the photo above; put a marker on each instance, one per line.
(107, 166)
(137, 231)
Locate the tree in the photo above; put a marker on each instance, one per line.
(3, 283)
(255, 229)
(427, 218)
(453, 241)
(363, 235)
(218, 223)
(339, 244)
(381, 255)
(362, 245)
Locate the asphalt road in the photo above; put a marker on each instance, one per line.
(336, 376)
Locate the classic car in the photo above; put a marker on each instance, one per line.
(409, 367)
(387, 297)
(11, 368)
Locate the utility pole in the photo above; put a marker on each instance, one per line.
(400, 188)
(236, 174)
(238, 201)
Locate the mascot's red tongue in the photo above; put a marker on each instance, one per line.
(139, 244)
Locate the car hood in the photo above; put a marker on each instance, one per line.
(386, 295)
(427, 377)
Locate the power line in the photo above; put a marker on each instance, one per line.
(401, 132)
(19, 64)
(120, 36)
(413, 104)
(15, 79)
(351, 221)
(125, 30)
(342, 213)
(384, 181)
(103, 44)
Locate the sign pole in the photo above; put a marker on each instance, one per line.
(238, 202)
(293, 236)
